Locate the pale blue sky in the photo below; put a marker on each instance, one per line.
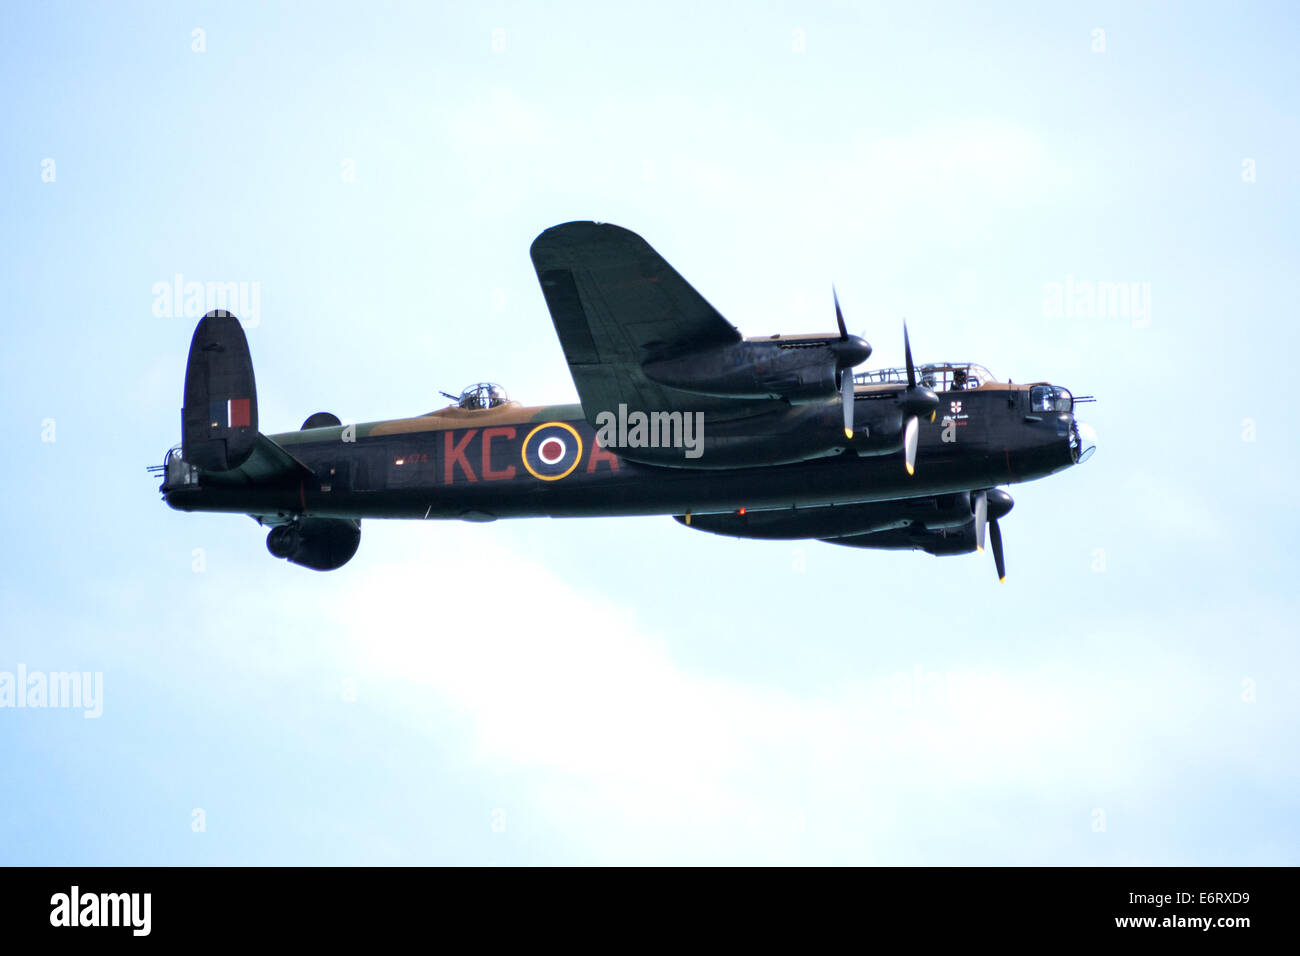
(629, 691)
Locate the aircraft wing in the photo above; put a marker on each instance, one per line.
(616, 304)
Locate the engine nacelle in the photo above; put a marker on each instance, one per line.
(322, 544)
(790, 523)
(787, 434)
(839, 521)
(950, 529)
(795, 368)
(941, 541)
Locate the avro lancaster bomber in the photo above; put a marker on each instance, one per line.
(773, 437)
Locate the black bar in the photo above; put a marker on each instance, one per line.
(334, 905)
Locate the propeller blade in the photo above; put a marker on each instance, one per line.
(839, 316)
(907, 352)
(846, 399)
(911, 432)
(995, 536)
(915, 401)
(981, 503)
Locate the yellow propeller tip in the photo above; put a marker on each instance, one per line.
(1002, 580)
(910, 470)
(979, 548)
(932, 414)
(848, 433)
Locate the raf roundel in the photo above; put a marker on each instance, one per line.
(551, 451)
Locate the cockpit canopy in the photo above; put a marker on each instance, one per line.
(482, 395)
(1050, 398)
(940, 376)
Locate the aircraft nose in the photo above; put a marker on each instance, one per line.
(1085, 442)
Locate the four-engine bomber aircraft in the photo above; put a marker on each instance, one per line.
(772, 437)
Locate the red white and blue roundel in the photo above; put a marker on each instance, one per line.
(552, 450)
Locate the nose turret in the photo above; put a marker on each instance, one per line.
(1083, 441)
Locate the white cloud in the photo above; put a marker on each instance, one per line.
(627, 754)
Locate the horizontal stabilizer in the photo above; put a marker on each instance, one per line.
(267, 464)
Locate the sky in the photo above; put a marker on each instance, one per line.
(626, 691)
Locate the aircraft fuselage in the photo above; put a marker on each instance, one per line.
(516, 462)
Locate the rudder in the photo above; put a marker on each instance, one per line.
(219, 415)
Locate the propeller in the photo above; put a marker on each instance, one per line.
(849, 351)
(846, 400)
(988, 506)
(916, 401)
(995, 536)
